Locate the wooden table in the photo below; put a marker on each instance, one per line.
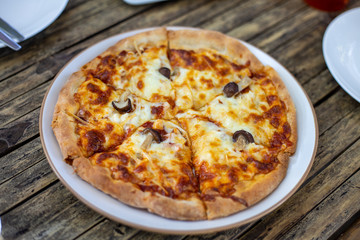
(34, 204)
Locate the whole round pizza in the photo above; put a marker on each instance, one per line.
(187, 124)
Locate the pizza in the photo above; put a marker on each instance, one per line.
(187, 124)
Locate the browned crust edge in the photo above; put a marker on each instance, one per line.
(155, 37)
(63, 124)
(251, 192)
(291, 110)
(191, 209)
(206, 39)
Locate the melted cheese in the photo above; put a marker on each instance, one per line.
(235, 113)
(145, 80)
(162, 164)
(215, 156)
(201, 76)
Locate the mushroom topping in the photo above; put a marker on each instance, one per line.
(244, 83)
(165, 72)
(122, 106)
(241, 138)
(231, 89)
(151, 135)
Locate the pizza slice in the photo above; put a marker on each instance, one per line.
(233, 171)
(263, 109)
(98, 117)
(151, 169)
(203, 63)
(138, 64)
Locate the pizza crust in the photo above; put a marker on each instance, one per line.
(63, 124)
(291, 110)
(191, 209)
(154, 38)
(205, 39)
(249, 192)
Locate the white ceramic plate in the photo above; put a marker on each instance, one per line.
(299, 166)
(341, 48)
(30, 17)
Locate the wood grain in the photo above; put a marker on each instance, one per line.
(339, 207)
(353, 232)
(37, 206)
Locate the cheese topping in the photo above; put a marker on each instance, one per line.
(179, 122)
(163, 167)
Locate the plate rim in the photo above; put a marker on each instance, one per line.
(162, 230)
(325, 45)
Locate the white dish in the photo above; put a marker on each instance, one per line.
(30, 17)
(341, 48)
(299, 166)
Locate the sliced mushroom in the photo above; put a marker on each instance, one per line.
(122, 106)
(156, 135)
(165, 72)
(151, 135)
(244, 83)
(241, 138)
(231, 89)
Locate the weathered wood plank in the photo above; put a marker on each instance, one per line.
(336, 139)
(144, 235)
(320, 86)
(36, 211)
(32, 76)
(352, 233)
(222, 235)
(25, 184)
(108, 229)
(340, 206)
(204, 13)
(23, 104)
(302, 56)
(292, 28)
(67, 224)
(28, 127)
(279, 20)
(20, 159)
(335, 108)
(310, 195)
(243, 12)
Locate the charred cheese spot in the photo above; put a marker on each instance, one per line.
(262, 167)
(157, 111)
(140, 168)
(202, 96)
(271, 99)
(140, 84)
(121, 158)
(207, 82)
(95, 140)
(101, 97)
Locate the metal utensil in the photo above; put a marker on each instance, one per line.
(9, 41)
(10, 30)
(9, 35)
